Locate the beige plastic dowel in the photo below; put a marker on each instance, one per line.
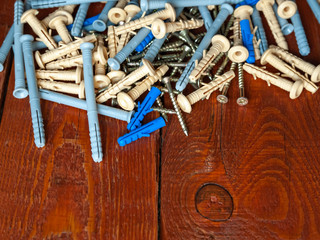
(238, 53)
(133, 77)
(70, 75)
(126, 100)
(168, 12)
(266, 7)
(286, 9)
(100, 55)
(297, 62)
(116, 75)
(185, 102)
(58, 12)
(277, 63)
(124, 38)
(59, 23)
(160, 28)
(211, 7)
(38, 28)
(294, 89)
(71, 88)
(69, 8)
(131, 11)
(219, 44)
(100, 79)
(54, 54)
(244, 12)
(117, 14)
(112, 42)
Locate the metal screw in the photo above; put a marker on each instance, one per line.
(176, 107)
(222, 98)
(159, 103)
(186, 51)
(229, 25)
(164, 110)
(186, 37)
(171, 45)
(242, 100)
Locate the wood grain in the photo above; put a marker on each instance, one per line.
(266, 155)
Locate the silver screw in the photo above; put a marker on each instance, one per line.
(176, 107)
(173, 49)
(222, 98)
(242, 100)
(164, 110)
(184, 36)
(175, 44)
(160, 105)
(186, 51)
(229, 25)
(165, 90)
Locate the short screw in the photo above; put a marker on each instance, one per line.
(169, 46)
(176, 107)
(30, 17)
(34, 100)
(186, 37)
(92, 112)
(242, 100)
(164, 110)
(186, 51)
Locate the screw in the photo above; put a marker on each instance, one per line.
(164, 110)
(171, 45)
(20, 90)
(34, 100)
(222, 98)
(176, 107)
(229, 25)
(184, 35)
(30, 17)
(242, 100)
(92, 111)
(186, 51)
(163, 114)
(226, 10)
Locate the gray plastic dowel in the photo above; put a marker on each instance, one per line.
(315, 7)
(157, 43)
(92, 112)
(79, 19)
(226, 10)
(157, 4)
(34, 99)
(115, 62)
(206, 16)
(38, 45)
(261, 34)
(27, 5)
(6, 46)
(300, 34)
(20, 90)
(40, 4)
(81, 104)
(286, 27)
(100, 24)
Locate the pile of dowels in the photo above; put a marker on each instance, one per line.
(135, 46)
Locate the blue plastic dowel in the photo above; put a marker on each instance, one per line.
(40, 4)
(206, 16)
(34, 99)
(260, 33)
(115, 62)
(247, 2)
(86, 22)
(100, 24)
(143, 131)
(27, 5)
(145, 42)
(6, 46)
(38, 45)
(20, 90)
(300, 34)
(143, 108)
(81, 104)
(92, 112)
(226, 10)
(247, 39)
(79, 19)
(315, 7)
(286, 27)
(157, 4)
(157, 43)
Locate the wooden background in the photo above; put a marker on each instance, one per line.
(248, 172)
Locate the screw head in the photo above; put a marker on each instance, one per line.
(222, 98)
(242, 101)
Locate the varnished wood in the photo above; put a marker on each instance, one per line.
(266, 155)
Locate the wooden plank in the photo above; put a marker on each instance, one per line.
(58, 192)
(265, 155)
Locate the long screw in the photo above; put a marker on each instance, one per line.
(176, 107)
(222, 98)
(164, 110)
(163, 114)
(242, 100)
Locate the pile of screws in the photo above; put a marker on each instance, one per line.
(132, 47)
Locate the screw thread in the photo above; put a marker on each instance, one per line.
(240, 75)
(159, 103)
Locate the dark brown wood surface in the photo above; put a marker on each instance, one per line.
(243, 173)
